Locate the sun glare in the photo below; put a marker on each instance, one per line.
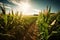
(25, 7)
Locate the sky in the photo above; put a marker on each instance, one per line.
(31, 6)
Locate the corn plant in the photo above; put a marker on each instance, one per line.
(4, 16)
(43, 23)
(14, 27)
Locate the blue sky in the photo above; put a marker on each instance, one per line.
(36, 4)
(41, 4)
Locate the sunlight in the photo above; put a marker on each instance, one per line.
(25, 7)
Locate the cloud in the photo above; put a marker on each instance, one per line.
(36, 10)
(7, 7)
(1, 3)
(13, 2)
(19, 5)
(18, 1)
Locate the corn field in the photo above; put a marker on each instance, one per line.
(45, 26)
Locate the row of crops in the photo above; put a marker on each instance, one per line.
(15, 26)
(49, 25)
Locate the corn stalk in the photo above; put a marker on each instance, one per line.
(42, 23)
